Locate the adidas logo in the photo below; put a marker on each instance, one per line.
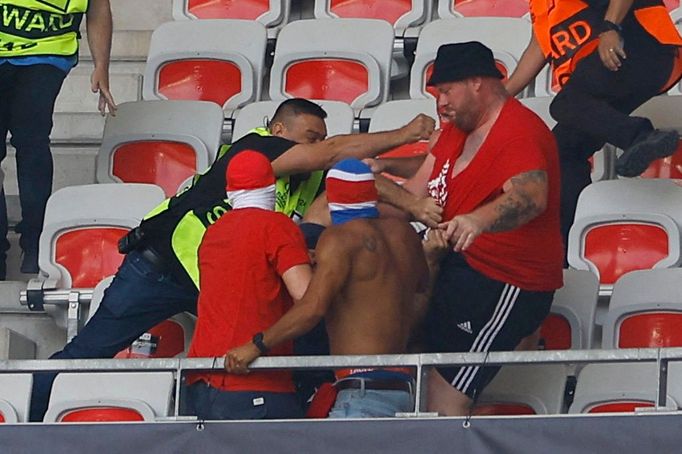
(466, 327)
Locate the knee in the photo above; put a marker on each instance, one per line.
(560, 107)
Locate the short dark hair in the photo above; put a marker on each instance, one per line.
(294, 107)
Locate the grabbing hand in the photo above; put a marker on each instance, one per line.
(375, 165)
(611, 49)
(427, 211)
(99, 83)
(435, 245)
(238, 359)
(462, 230)
(420, 128)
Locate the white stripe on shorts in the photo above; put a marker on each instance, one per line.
(487, 335)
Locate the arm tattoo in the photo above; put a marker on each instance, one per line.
(519, 207)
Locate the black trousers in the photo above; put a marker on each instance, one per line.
(27, 97)
(594, 107)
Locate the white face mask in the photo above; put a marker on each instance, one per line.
(263, 198)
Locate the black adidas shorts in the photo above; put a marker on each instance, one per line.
(470, 312)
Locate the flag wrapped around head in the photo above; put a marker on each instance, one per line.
(351, 192)
(250, 181)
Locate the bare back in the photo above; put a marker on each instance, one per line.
(373, 311)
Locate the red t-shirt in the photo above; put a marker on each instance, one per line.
(531, 256)
(241, 260)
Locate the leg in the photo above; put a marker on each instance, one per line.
(139, 297)
(7, 83)
(30, 125)
(445, 400)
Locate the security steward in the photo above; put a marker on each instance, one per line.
(38, 48)
(608, 57)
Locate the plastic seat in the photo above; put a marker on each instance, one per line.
(401, 14)
(273, 14)
(79, 242)
(217, 60)
(665, 112)
(645, 310)
(159, 142)
(570, 324)
(626, 225)
(345, 60)
(119, 397)
(482, 8)
(339, 117)
(395, 114)
(506, 37)
(15, 397)
(623, 387)
(168, 339)
(524, 390)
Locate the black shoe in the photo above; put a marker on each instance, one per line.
(29, 263)
(647, 148)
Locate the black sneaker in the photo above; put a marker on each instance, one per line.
(647, 148)
(29, 263)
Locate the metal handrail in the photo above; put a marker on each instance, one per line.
(418, 361)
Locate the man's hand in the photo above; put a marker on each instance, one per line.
(611, 49)
(427, 211)
(375, 165)
(99, 83)
(420, 128)
(462, 230)
(238, 359)
(435, 245)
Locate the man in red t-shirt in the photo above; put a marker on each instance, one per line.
(252, 263)
(494, 170)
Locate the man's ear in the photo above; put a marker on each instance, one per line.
(277, 129)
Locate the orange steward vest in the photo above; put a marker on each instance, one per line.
(568, 30)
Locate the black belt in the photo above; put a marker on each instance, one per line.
(384, 385)
(153, 258)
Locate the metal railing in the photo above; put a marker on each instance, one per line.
(420, 362)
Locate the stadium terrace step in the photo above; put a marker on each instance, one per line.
(75, 95)
(128, 45)
(136, 15)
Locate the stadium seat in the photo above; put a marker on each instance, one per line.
(218, 60)
(626, 225)
(481, 8)
(271, 13)
(345, 60)
(507, 37)
(603, 161)
(395, 114)
(117, 396)
(339, 117)
(665, 112)
(78, 245)
(524, 390)
(623, 387)
(159, 142)
(401, 14)
(570, 323)
(168, 339)
(645, 310)
(15, 397)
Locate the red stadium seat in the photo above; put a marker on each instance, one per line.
(555, 333)
(494, 8)
(503, 409)
(651, 329)
(200, 80)
(618, 248)
(102, 414)
(620, 407)
(330, 79)
(228, 9)
(89, 254)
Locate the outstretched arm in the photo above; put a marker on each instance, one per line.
(524, 198)
(99, 27)
(331, 272)
(303, 158)
(531, 62)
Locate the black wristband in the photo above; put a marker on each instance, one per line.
(607, 25)
(258, 342)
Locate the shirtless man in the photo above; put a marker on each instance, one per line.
(369, 277)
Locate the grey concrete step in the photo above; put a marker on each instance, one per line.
(137, 15)
(76, 96)
(77, 128)
(127, 45)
